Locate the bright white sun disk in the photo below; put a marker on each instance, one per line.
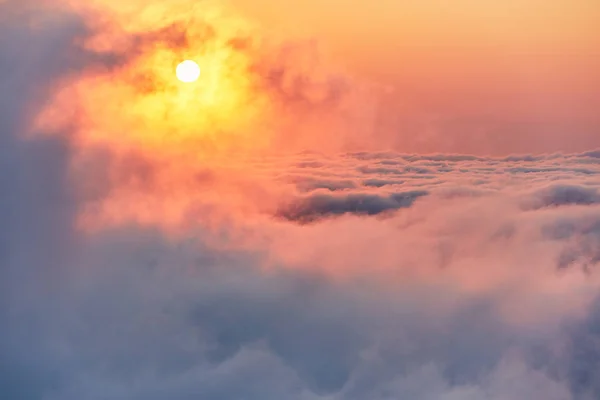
(188, 71)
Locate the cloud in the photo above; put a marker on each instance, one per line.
(257, 92)
(322, 205)
(202, 279)
(564, 195)
(592, 154)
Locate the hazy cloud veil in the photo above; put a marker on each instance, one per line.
(363, 275)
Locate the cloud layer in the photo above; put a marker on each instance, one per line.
(131, 274)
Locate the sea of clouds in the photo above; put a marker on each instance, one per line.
(365, 275)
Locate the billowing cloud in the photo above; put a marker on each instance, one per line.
(130, 270)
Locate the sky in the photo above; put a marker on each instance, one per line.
(354, 201)
(475, 76)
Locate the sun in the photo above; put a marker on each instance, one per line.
(188, 71)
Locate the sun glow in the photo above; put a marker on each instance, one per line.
(183, 87)
(188, 71)
(145, 121)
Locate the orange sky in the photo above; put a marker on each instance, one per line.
(386, 28)
(468, 75)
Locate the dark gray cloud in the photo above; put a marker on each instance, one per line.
(591, 154)
(323, 205)
(380, 182)
(581, 236)
(564, 195)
